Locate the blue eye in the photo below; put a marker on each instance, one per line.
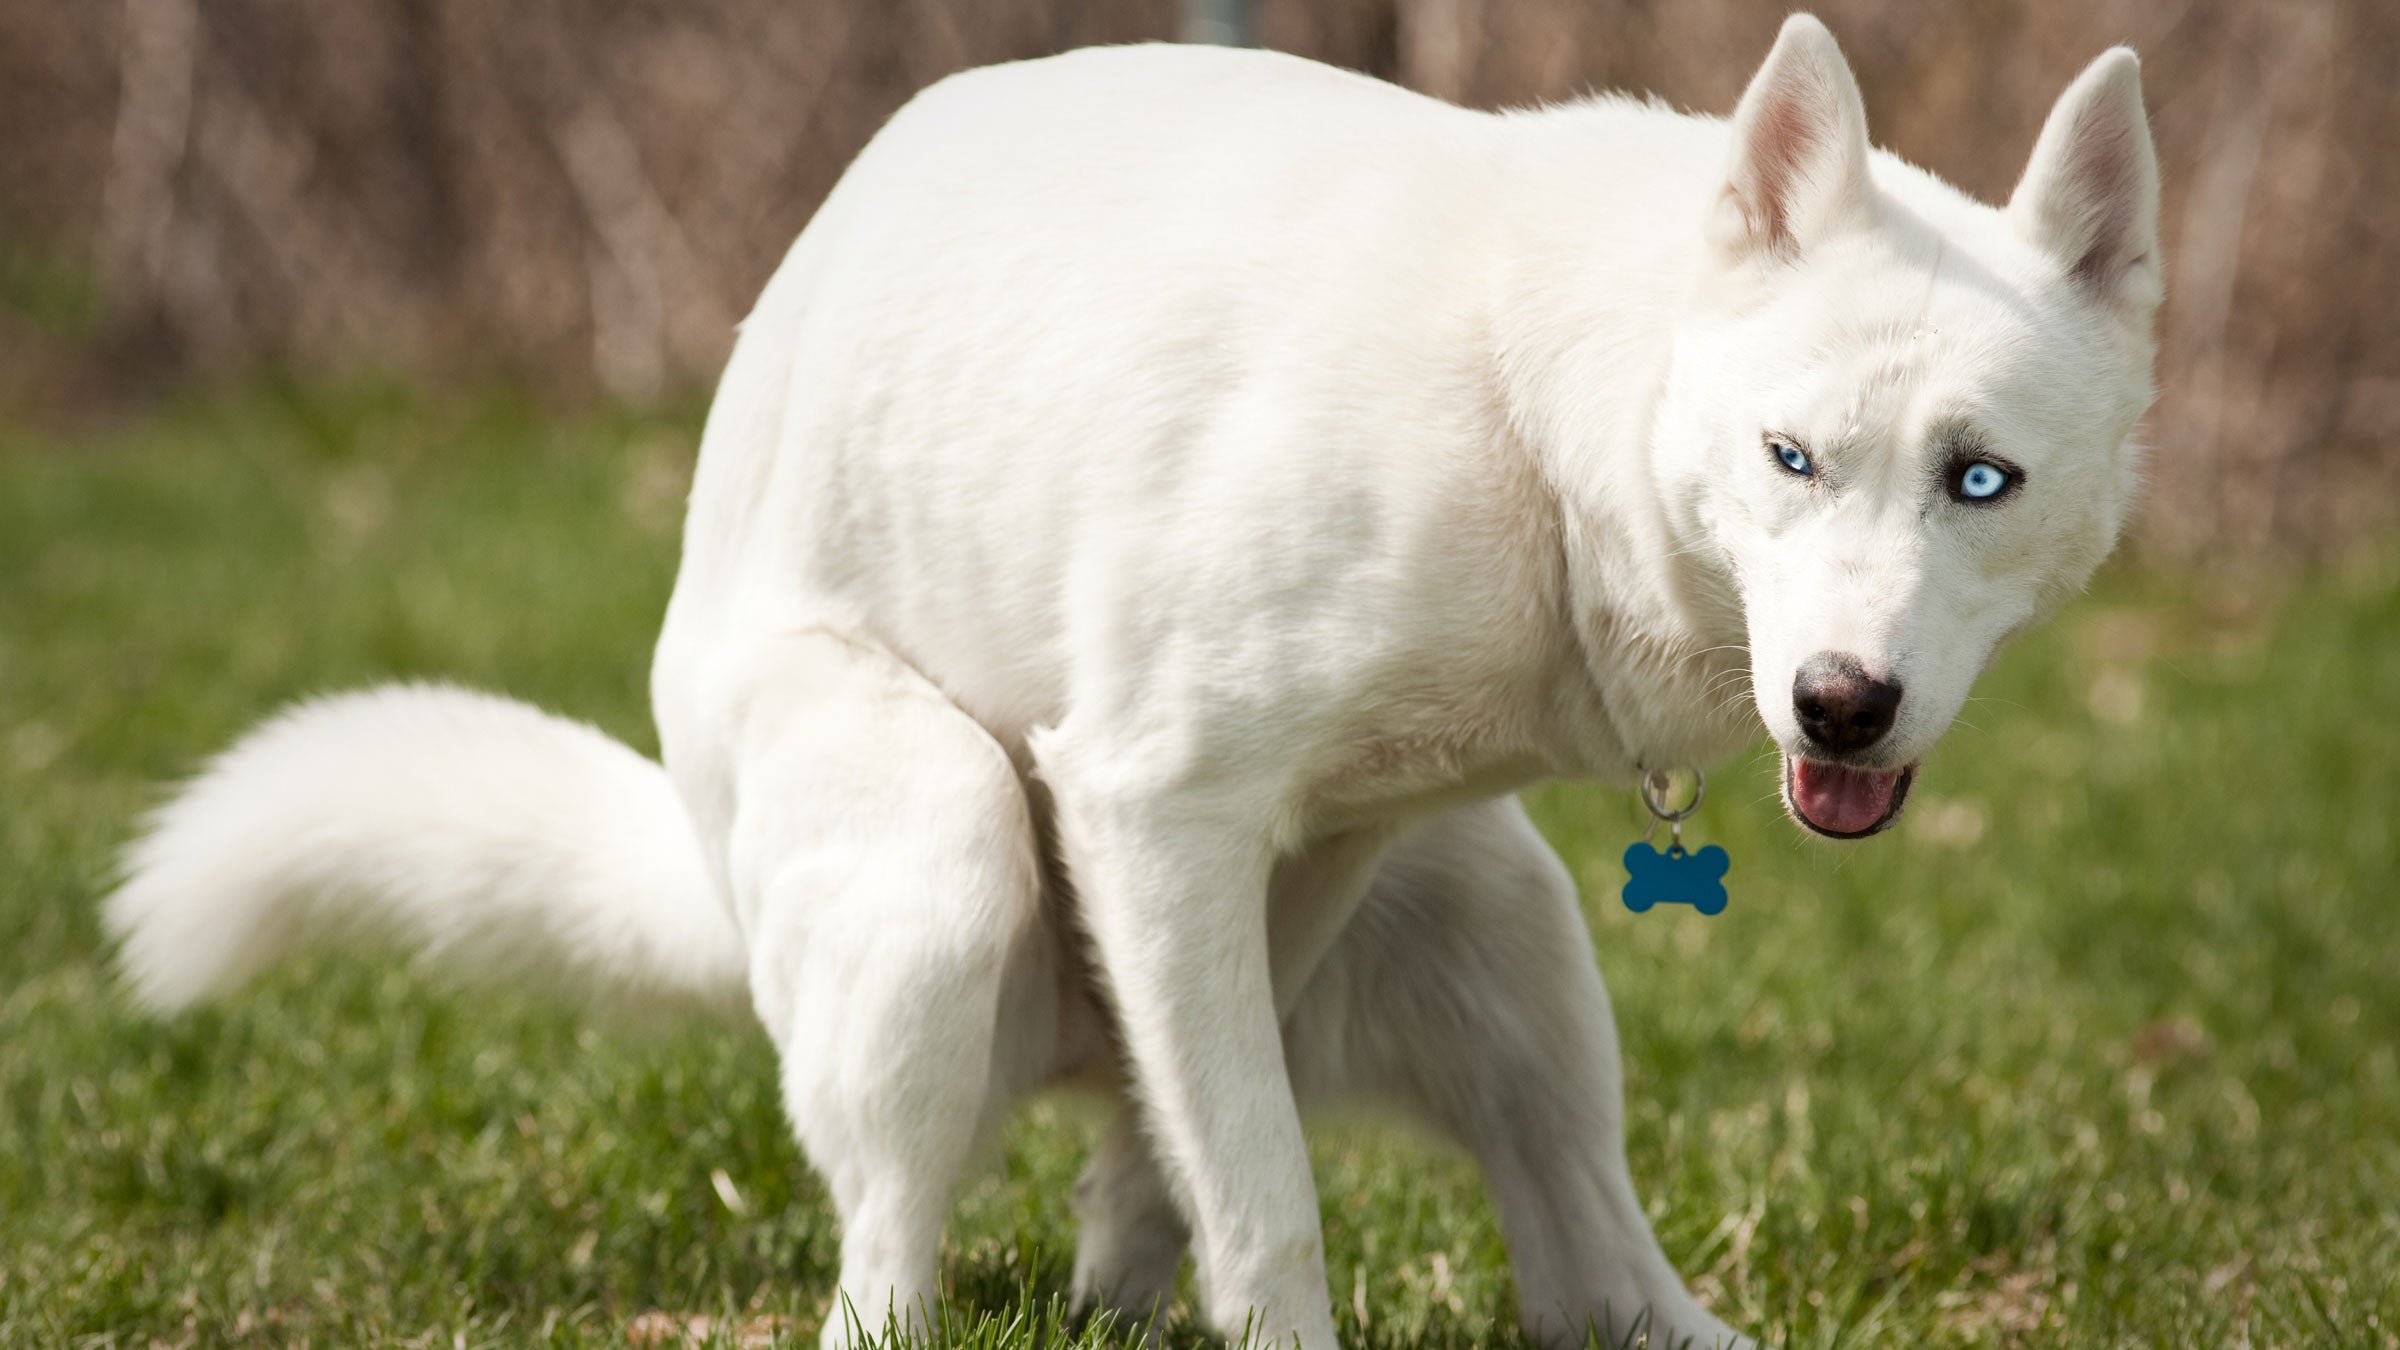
(1981, 481)
(1792, 457)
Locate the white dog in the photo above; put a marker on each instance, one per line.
(1164, 504)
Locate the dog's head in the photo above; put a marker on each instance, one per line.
(1898, 419)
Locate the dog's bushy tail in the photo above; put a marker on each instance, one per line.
(491, 837)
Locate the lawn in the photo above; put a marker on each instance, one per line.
(2097, 1050)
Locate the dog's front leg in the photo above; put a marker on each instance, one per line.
(1465, 992)
(1172, 885)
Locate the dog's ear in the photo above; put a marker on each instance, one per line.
(1799, 149)
(2090, 194)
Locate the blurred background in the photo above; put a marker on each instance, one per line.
(584, 197)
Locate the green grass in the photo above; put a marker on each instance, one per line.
(2098, 1050)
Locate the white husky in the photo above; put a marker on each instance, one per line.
(1164, 504)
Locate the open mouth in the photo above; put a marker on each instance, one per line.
(1840, 802)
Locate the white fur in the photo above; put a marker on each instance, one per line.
(1163, 504)
(484, 833)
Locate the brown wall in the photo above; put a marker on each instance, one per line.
(587, 194)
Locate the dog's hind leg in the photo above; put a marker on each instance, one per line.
(882, 862)
(1130, 1237)
(1464, 991)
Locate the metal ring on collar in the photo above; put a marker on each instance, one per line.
(1658, 782)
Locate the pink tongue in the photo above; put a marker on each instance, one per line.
(1839, 800)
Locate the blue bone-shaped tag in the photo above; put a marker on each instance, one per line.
(1675, 878)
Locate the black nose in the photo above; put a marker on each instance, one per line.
(1840, 706)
